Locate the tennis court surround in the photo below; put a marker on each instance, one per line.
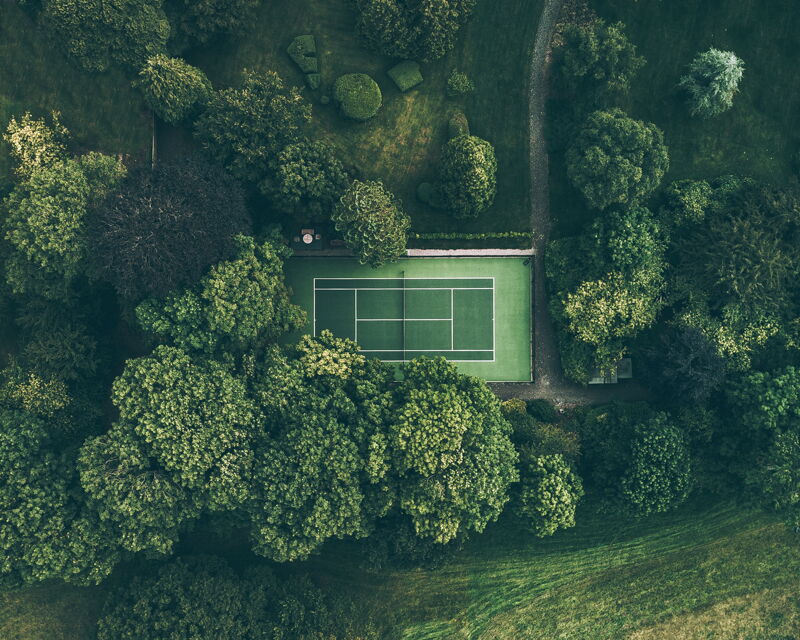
(473, 311)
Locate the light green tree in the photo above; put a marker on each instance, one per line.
(173, 88)
(712, 82)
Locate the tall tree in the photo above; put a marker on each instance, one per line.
(712, 82)
(165, 227)
(197, 22)
(467, 176)
(173, 88)
(615, 159)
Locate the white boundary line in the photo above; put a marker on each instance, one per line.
(451, 319)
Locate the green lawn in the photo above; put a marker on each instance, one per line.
(704, 572)
(402, 144)
(102, 111)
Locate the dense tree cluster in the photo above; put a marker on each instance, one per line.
(422, 30)
(196, 22)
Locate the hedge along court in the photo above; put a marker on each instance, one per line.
(475, 312)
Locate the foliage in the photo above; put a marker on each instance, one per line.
(99, 33)
(524, 235)
(686, 201)
(767, 402)
(183, 442)
(457, 125)
(637, 459)
(467, 176)
(735, 269)
(406, 75)
(196, 22)
(548, 494)
(686, 366)
(188, 214)
(712, 81)
(424, 30)
(308, 181)
(598, 59)
(358, 96)
(459, 84)
(452, 451)
(45, 530)
(202, 598)
(246, 128)
(322, 472)
(173, 88)
(46, 221)
(35, 144)
(395, 545)
(613, 292)
(240, 305)
(372, 222)
(779, 477)
(615, 159)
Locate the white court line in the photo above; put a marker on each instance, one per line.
(403, 320)
(401, 289)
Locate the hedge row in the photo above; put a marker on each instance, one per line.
(472, 236)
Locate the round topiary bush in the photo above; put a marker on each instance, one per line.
(359, 96)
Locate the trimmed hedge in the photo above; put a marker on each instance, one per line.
(473, 236)
(406, 75)
(358, 95)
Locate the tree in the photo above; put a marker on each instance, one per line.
(196, 22)
(468, 176)
(637, 459)
(246, 128)
(99, 33)
(309, 180)
(686, 202)
(779, 477)
(712, 81)
(173, 88)
(322, 472)
(548, 495)
(597, 58)
(46, 221)
(183, 443)
(34, 144)
(240, 305)
(424, 30)
(616, 160)
(451, 448)
(686, 365)
(202, 598)
(46, 531)
(372, 222)
(165, 227)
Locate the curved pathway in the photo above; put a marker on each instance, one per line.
(549, 382)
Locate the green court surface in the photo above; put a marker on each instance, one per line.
(473, 311)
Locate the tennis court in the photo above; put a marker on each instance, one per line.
(473, 311)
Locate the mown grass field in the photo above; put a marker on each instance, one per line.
(720, 572)
(102, 111)
(402, 144)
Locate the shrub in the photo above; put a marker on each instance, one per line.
(406, 75)
(542, 409)
(174, 89)
(712, 81)
(458, 125)
(467, 176)
(303, 52)
(309, 180)
(101, 32)
(188, 213)
(459, 84)
(35, 144)
(358, 95)
(422, 30)
(373, 223)
(616, 160)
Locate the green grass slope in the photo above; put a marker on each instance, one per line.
(102, 111)
(723, 572)
(402, 144)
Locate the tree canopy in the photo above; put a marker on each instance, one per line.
(173, 88)
(165, 227)
(467, 176)
(196, 22)
(615, 159)
(424, 30)
(712, 82)
(246, 128)
(372, 222)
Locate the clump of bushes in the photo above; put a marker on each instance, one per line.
(358, 96)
